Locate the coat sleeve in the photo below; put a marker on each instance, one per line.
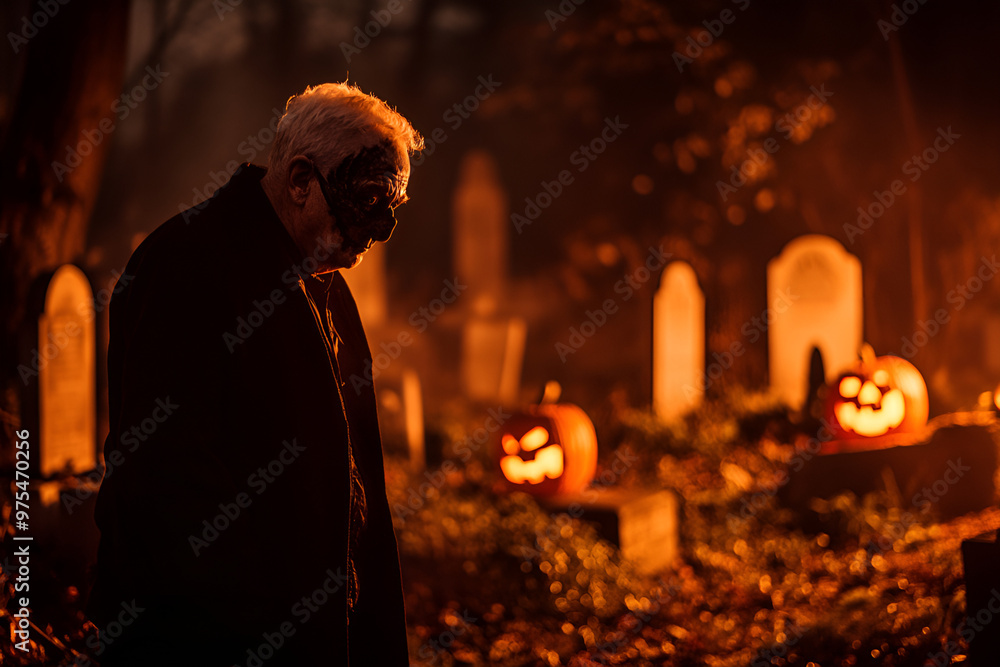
(166, 364)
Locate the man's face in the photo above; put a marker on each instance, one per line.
(360, 195)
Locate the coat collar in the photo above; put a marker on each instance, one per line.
(246, 188)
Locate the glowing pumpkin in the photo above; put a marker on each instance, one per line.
(880, 396)
(548, 450)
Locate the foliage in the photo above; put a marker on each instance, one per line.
(496, 579)
(875, 588)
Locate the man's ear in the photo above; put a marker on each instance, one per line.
(300, 171)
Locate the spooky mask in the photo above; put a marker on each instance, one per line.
(363, 192)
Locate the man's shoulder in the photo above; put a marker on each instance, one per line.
(174, 251)
(206, 239)
(233, 196)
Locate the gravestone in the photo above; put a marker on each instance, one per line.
(67, 384)
(678, 342)
(946, 473)
(479, 212)
(814, 299)
(367, 283)
(644, 525)
(492, 356)
(401, 416)
(413, 414)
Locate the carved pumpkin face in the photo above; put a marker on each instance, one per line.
(547, 462)
(548, 450)
(880, 396)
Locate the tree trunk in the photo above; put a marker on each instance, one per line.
(53, 156)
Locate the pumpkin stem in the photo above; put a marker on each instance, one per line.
(551, 393)
(867, 354)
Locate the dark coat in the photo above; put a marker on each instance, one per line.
(222, 401)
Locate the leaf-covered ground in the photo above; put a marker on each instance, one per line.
(495, 580)
(491, 578)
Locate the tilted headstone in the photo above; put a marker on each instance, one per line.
(492, 357)
(814, 299)
(67, 402)
(678, 342)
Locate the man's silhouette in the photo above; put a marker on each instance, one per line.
(249, 526)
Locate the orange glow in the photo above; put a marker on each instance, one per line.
(764, 200)
(879, 396)
(534, 439)
(868, 420)
(548, 463)
(549, 450)
(510, 444)
(850, 386)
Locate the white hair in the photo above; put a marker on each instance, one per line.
(332, 121)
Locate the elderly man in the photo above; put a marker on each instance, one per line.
(245, 521)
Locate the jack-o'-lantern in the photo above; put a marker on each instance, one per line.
(880, 396)
(548, 450)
